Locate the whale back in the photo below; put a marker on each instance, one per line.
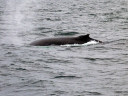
(63, 40)
(53, 41)
(84, 38)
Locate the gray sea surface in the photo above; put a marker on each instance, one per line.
(91, 70)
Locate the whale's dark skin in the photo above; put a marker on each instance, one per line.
(63, 40)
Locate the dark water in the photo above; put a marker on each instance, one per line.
(93, 70)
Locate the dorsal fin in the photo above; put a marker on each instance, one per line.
(83, 37)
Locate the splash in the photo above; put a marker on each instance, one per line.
(85, 44)
(12, 20)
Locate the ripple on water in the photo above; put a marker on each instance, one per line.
(21, 69)
(66, 33)
(66, 77)
(41, 29)
(121, 92)
(92, 93)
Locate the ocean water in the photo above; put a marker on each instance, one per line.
(84, 70)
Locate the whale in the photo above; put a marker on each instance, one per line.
(64, 40)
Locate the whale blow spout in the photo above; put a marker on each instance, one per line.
(64, 40)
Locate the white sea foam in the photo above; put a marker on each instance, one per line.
(85, 44)
(91, 43)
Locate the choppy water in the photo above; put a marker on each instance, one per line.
(100, 69)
